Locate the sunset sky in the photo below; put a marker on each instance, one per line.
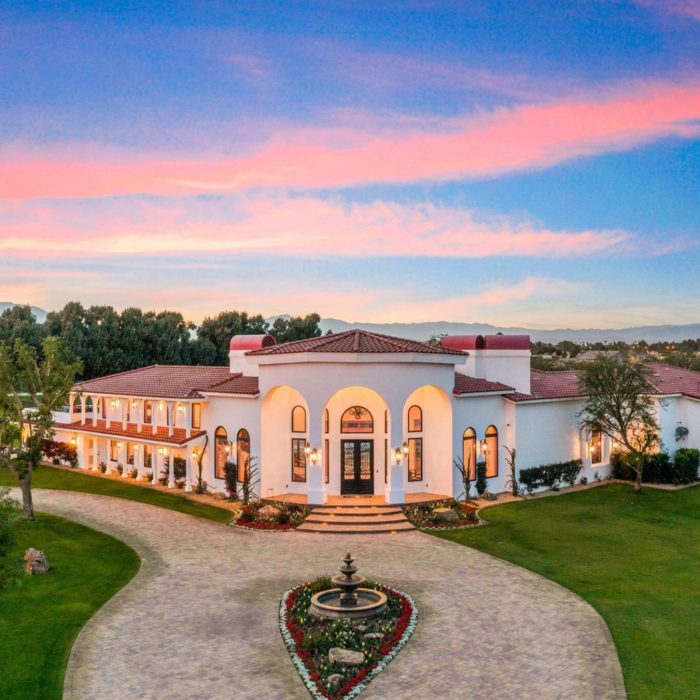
(520, 163)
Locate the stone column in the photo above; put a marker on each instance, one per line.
(395, 488)
(171, 469)
(154, 416)
(188, 469)
(83, 409)
(188, 420)
(154, 465)
(108, 412)
(125, 410)
(139, 415)
(71, 402)
(95, 454)
(94, 410)
(170, 416)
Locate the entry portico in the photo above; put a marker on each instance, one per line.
(353, 394)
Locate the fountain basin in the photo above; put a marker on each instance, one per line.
(327, 604)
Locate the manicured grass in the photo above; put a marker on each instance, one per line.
(635, 558)
(64, 480)
(40, 618)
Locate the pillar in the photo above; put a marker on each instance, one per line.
(170, 416)
(139, 415)
(83, 409)
(188, 469)
(154, 465)
(93, 400)
(125, 410)
(71, 402)
(154, 416)
(188, 420)
(171, 470)
(108, 412)
(316, 493)
(395, 487)
(95, 454)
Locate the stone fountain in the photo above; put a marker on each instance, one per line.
(348, 599)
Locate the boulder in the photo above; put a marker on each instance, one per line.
(488, 496)
(35, 562)
(268, 512)
(373, 635)
(360, 627)
(337, 655)
(445, 515)
(334, 679)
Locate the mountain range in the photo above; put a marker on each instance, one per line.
(423, 331)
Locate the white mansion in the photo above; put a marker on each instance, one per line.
(354, 413)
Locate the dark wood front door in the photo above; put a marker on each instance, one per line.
(357, 466)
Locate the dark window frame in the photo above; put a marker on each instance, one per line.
(408, 419)
(491, 452)
(196, 416)
(239, 441)
(219, 433)
(473, 450)
(419, 441)
(356, 432)
(298, 442)
(294, 410)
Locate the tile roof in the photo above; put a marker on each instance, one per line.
(179, 436)
(550, 385)
(236, 384)
(356, 341)
(158, 381)
(473, 385)
(675, 380)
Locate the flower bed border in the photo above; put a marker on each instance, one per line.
(253, 528)
(429, 528)
(303, 671)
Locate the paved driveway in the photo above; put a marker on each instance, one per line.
(200, 619)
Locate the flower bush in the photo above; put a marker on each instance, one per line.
(424, 517)
(308, 640)
(288, 517)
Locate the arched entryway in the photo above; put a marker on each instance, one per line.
(356, 442)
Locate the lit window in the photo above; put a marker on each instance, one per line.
(242, 452)
(357, 420)
(113, 450)
(220, 452)
(298, 419)
(196, 416)
(415, 459)
(491, 451)
(469, 451)
(147, 411)
(298, 459)
(326, 421)
(415, 419)
(129, 452)
(596, 447)
(326, 461)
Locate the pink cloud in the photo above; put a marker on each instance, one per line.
(505, 140)
(686, 8)
(288, 226)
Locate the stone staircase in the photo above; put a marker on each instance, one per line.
(349, 519)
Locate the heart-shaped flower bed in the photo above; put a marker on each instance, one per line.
(310, 640)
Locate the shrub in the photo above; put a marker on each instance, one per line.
(480, 478)
(549, 475)
(102, 466)
(133, 473)
(284, 517)
(686, 462)
(570, 471)
(9, 517)
(179, 470)
(231, 479)
(247, 514)
(583, 481)
(147, 476)
(119, 469)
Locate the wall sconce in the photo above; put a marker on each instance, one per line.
(160, 405)
(315, 456)
(307, 449)
(180, 408)
(136, 448)
(484, 446)
(133, 405)
(404, 448)
(228, 448)
(115, 403)
(74, 440)
(398, 455)
(120, 445)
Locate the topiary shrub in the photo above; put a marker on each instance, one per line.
(480, 484)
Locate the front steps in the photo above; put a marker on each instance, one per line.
(356, 520)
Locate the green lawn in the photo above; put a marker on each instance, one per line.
(635, 558)
(40, 618)
(64, 480)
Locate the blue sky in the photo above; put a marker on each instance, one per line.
(527, 163)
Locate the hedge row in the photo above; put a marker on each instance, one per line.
(550, 475)
(659, 468)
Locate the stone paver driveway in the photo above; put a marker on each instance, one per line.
(200, 619)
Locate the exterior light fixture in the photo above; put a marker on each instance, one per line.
(180, 408)
(405, 449)
(307, 449)
(484, 446)
(136, 448)
(315, 456)
(120, 445)
(74, 440)
(398, 455)
(114, 403)
(228, 448)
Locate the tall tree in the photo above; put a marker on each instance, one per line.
(219, 330)
(296, 328)
(47, 383)
(18, 322)
(620, 404)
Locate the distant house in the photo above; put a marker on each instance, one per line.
(593, 355)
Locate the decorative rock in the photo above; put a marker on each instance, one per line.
(335, 679)
(488, 496)
(446, 515)
(35, 562)
(373, 635)
(268, 512)
(361, 628)
(337, 655)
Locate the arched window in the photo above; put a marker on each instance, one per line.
(242, 452)
(326, 421)
(415, 419)
(357, 419)
(469, 451)
(298, 419)
(77, 405)
(596, 448)
(221, 450)
(491, 450)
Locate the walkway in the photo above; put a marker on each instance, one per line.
(200, 619)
